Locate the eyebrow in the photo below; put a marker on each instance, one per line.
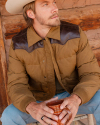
(44, 2)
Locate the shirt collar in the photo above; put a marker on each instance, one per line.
(33, 37)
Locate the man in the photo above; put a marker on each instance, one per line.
(49, 60)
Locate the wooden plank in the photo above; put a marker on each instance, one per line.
(11, 25)
(65, 4)
(3, 102)
(3, 73)
(87, 18)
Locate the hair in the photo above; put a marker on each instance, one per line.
(29, 6)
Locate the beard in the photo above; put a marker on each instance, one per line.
(51, 22)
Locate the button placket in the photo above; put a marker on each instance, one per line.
(54, 63)
(41, 42)
(44, 63)
(49, 68)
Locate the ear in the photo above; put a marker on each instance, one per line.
(30, 14)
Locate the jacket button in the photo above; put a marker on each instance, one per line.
(41, 42)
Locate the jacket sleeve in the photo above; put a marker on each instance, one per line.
(88, 70)
(18, 88)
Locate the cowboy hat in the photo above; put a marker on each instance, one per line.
(16, 6)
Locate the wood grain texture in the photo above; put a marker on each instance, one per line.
(3, 73)
(87, 18)
(12, 25)
(65, 4)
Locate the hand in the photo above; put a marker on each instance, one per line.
(72, 103)
(37, 110)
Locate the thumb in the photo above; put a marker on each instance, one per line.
(52, 99)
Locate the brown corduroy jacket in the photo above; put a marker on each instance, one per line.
(33, 63)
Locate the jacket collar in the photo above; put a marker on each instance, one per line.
(33, 37)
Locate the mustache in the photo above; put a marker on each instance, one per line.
(56, 14)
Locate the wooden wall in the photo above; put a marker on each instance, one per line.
(3, 74)
(85, 13)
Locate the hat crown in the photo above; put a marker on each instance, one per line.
(16, 6)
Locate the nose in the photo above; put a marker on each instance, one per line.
(54, 8)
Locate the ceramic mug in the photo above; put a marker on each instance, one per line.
(55, 105)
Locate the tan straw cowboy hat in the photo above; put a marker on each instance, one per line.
(16, 6)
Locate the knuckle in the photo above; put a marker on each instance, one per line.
(39, 110)
(45, 114)
(48, 109)
(51, 116)
(62, 113)
(65, 111)
(43, 107)
(48, 120)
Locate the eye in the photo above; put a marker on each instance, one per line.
(45, 4)
(54, 2)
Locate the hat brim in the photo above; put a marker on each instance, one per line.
(16, 6)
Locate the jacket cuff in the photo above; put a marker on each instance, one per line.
(25, 102)
(83, 95)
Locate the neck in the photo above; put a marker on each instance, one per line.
(41, 30)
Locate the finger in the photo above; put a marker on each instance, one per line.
(42, 122)
(52, 99)
(63, 114)
(64, 104)
(65, 119)
(69, 107)
(54, 117)
(49, 121)
(49, 113)
(46, 108)
(71, 119)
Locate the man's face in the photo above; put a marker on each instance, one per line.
(46, 12)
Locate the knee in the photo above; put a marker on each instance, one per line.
(7, 113)
(10, 114)
(94, 103)
(96, 98)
